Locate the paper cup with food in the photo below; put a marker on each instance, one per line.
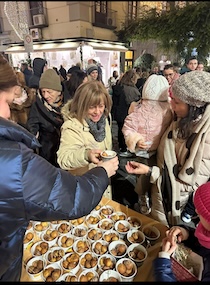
(108, 154)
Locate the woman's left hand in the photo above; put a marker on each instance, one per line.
(94, 155)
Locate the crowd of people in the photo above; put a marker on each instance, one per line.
(55, 123)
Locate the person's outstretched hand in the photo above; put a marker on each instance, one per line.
(134, 167)
(110, 166)
(177, 234)
(167, 246)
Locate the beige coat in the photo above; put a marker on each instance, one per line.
(181, 167)
(75, 141)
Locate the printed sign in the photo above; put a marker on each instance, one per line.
(28, 43)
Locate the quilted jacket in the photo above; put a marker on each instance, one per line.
(31, 189)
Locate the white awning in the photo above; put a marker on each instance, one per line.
(48, 47)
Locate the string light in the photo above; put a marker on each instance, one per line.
(16, 13)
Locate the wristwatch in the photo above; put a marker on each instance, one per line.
(149, 171)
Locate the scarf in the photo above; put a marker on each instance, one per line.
(203, 236)
(97, 129)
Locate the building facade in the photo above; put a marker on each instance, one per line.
(68, 32)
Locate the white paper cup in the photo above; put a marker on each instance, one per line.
(111, 235)
(79, 232)
(118, 249)
(137, 252)
(50, 236)
(151, 233)
(88, 260)
(88, 275)
(135, 222)
(54, 255)
(135, 236)
(130, 272)
(122, 227)
(39, 248)
(70, 262)
(77, 222)
(64, 228)
(106, 262)
(108, 154)
(92, 220)
(110, 276)
(118, 216)
(40, 227)
(106, 224)
(106, 211)
(66, 242)
(52, 272)
(81, 245)
(68, 277)
(94, 235)
(28, 239)
(34, 267)
(100, 247)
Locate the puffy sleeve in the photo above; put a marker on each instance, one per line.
(51, 193)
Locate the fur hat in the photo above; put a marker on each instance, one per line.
(156, 88)
(193, 88)
(91, 67)
(51, 80)
(202, 200)
(8, 77)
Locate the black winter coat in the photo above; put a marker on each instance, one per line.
(31, 189)
(48, 124)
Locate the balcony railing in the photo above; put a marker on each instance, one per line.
(104, 20)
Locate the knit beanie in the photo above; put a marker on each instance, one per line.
(202, 200)
(90, 68)
(51, 80)
(8, 77)
(193, 88)
(156, 87)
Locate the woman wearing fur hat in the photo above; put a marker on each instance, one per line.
(31, 189)
(86, 131)
(183, 161)
(196, 239)
(45, 117)
(146, 124)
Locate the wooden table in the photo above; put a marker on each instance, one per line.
(145, 270)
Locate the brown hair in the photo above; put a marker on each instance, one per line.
(8, 77)
(88, 94)
(21, 78)
(130, 78)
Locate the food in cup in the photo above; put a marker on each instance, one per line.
(135, 222)
(64, 228)
(111, 235)
(89, 275)
(50, 235)
(117, 216)
(70, 262)
(126, 268)
(51, 273)
(94, 234)
(39, 248)
(77, 222)
(55, 254)
(88, 260)
(36, 266)
(100, 247)
(106, 262)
